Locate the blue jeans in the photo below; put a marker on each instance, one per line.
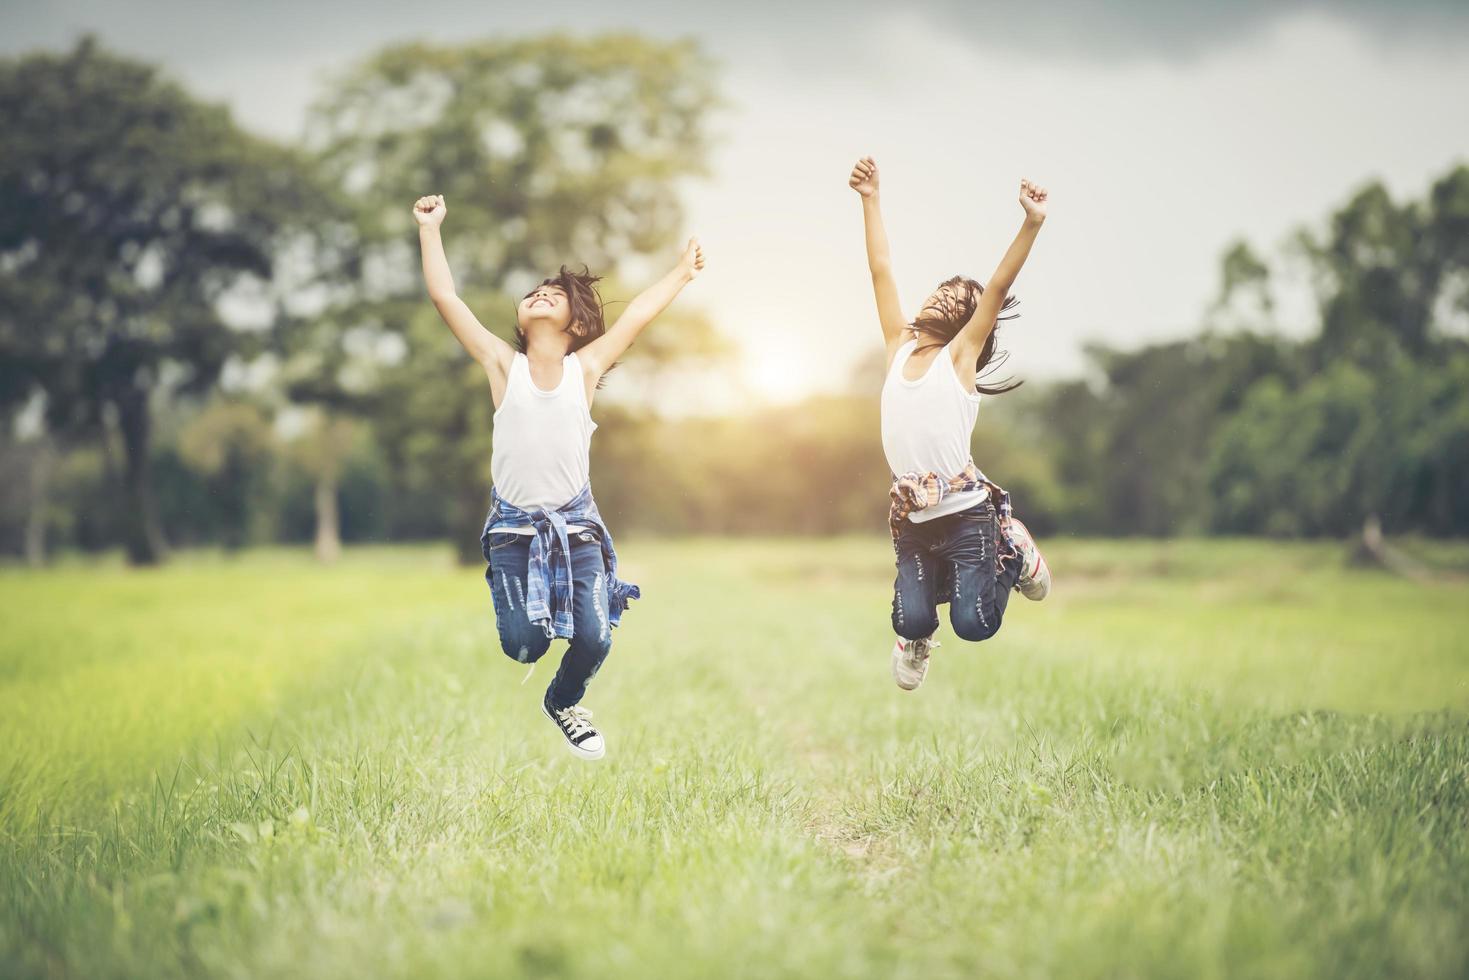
(952, 559)
(524, 641)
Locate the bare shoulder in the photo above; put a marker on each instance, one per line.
(589, 364)
(497, 372)
(591, 373)
(497, 364)
(500, 358)
(896, 343)
(962, 352)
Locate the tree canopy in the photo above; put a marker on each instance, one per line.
(131, 212)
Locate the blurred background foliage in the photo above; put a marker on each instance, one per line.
(207, 338)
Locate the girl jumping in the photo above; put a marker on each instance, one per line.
(552, 570)
(955, 538)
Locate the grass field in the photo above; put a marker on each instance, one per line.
(1196, 760)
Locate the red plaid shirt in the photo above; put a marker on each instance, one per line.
(917, 491)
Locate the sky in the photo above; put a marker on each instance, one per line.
(1164, 131)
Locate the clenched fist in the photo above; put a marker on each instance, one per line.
(429, 211)
(864, 177)
(1033, 200)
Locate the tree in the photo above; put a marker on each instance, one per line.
(1243, 432)
(550, 150)
(334, 368)
(322, 451)
(129, 212)
(1347, 445)
(229, 444)
(1135, 447)
(1245, 299)
(1387, 273)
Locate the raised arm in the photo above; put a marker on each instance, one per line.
(879, 261)
(603, 352)
(490, 351)
(970, 340)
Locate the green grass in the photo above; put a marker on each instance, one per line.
(1198, 759)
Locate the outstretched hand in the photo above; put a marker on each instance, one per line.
(1033, 200)
(864, 177)
(692, 260)
(430, 211)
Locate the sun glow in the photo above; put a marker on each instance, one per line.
(778, 375)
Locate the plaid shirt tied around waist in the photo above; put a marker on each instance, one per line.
(548, 575)
(918, 491)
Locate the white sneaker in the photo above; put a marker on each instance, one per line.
(910, 661)
(575, 723)
(1035, 574)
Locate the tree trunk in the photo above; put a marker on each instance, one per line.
(1373, 550)
(328, 518)
(39, 504)
(142, 535)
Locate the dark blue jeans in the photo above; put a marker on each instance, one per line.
(508, 556)
(952, 559)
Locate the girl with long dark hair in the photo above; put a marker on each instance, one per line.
(954, 535)
(551, 567)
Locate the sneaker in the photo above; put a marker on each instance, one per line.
(1035, 574)
(575, 723)
(910, 661)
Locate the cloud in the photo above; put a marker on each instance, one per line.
(1166, 130)
(1169, 30)
(185, 32)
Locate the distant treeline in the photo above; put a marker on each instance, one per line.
(137, 414)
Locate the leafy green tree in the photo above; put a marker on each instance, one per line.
(1245, 432)
(322, 451)
(1350, 442)
(333, 366)
(1134, 448)
(1246, 300)
(551, 150)
(230, 446)
(1387, 272)
(129, 212)
(1377, 427)
(331, 353)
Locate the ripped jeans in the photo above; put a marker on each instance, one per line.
(952, 559)
(508, 556)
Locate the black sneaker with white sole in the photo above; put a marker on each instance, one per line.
(575, 723)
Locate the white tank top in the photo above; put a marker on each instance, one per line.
(539, 456)
(927, 425)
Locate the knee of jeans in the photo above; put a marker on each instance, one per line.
(913, 624)
(599, 645)
(525, 646)
(972, 624)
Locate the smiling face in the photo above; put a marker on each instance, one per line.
(546, 307)
(948, 308)
(953, 302)
(565, 310)
(946, 311)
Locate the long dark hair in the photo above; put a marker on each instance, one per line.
(941, 323)
(587, 319)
